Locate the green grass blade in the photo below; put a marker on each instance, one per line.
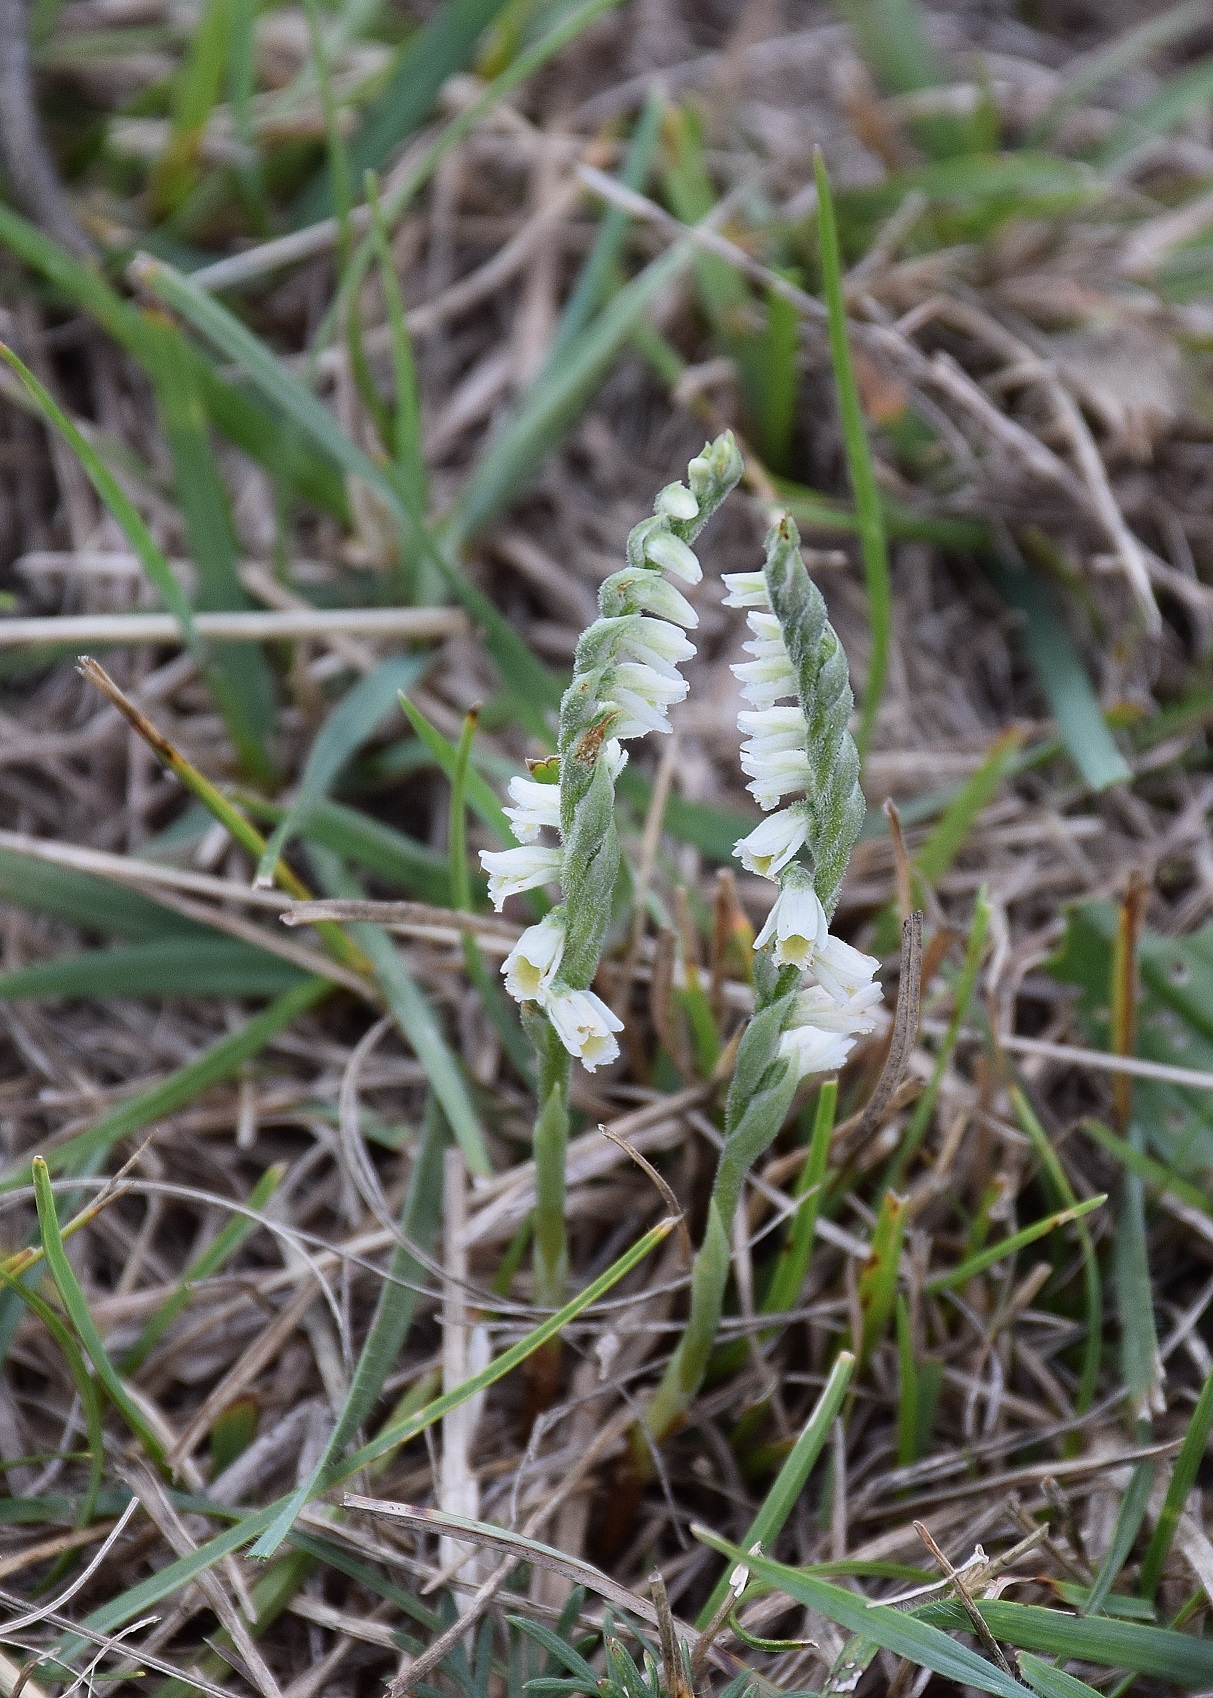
(76, 1305)
(115, 498)
(240, 419)
(941, 848)
(792, 1267)
(242, 683)
(556, 399)
(1050, 1681)
(221, 1061)
(407, 431)
(1179, 96)
(1092, 1283)
(788, 1484)
(1177, 1658)
(597, 273)
(1063, 681)
(530, 682)
(973, 1265)
(441, 47)
(893, 1630)
(1129, 1517)
(174, 966)
(345, 730)
(966, 985)
(86, 1388)
(367, 842)
(481, 797)
(94, 904)
(217, 1254)
(1183, 1479)
(859, 463)
(878, 1281)
(1123, 53)
(389, 1328)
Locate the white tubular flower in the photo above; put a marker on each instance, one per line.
(655, 643)
(534, 961)
(767, 681)
(771, 845)
(648, 592)
(797, 923)
(513, 870)
(747, 589)
(538, 806)
(669, 552)
(643, 695)
(585, 1026)
(809, 1049)
(777, 775)
(844, 973)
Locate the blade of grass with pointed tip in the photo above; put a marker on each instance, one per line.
(217, 1254)
(86, 1388)
(1063, 680)
(344, 731)
(1129, 1517)
(481, 797)
(78, 1313)
(994, 1253)
(785, 1489)
(389, 1328)
(556, 399)
(859, 462)
(174, 966)
(220, 1062)
(367, 842)
(894, 1630)
(941, 848)
(136, 1600)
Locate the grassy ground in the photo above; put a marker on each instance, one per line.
(388, 323)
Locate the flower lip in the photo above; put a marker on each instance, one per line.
(585, 1026)
(797, 922)
(534, 961)
(747, 589)
(770, 846)
(513, 870)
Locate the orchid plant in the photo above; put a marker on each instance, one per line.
(625, 679)
(814, 994)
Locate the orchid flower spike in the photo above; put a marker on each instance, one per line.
(625, 680)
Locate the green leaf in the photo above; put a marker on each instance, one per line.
(344, 731)
(1178, 1658)
(1183, 1479)
(443, 45)
(94, 904)
(785, 1490)
(78, 1313)
(894, 1630)
(1165, 111)
(1129, 1517)
(172, 966)
(1174, 1024)
(1063, 680)
(1052, 1682)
